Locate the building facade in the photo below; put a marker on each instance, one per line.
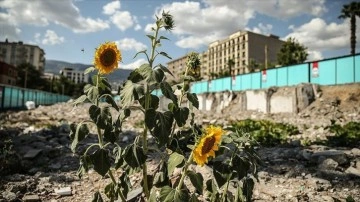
(8, 74)
(75, 75)
(16, 53)
(241, 50)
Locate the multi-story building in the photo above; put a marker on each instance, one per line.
(8, 74)
(243, 49)
(75, 75)
(16, 53)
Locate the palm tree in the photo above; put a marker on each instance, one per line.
(230, 64)
(351, 11)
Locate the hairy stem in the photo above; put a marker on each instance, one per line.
(114, 181)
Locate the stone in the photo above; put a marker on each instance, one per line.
(55, 166)
(355, 152)
(31, 198)
(353, 171)
(10, 196)
(65, 191)
(132, 195)
(336, 155)
(328, 164)
(306, 154)
(32, 153)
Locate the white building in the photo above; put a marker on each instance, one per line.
(16, 53)
(75, 75)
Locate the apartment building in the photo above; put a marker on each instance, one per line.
(8, 74)
(243, 48)
(75, 75)
(16, 53)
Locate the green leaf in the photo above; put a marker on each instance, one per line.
(161, 177)
(150, 37)
(193, 99)
(97, 197)
(158, 74)
(167, 194)
(241, 165)
(194, 198)
(104, 84)
(89, 70)
(150, 118)
(213, 189)
(165, 54)
(239, 197)
(197, 180)
(221, 172)
(101, 161)
(119, 161)
(111, 134)
(143, 51)
(101, 116)
(78, 135)
(110, 100)
(93, 94)
(165, 69)
(154, 101)
(124, 184)
(80, 99)
(248, 187)
(110, 191)
(134, 156)
(175, 159)
(85, 163)
(162, 37)
(181, 114)
(162, 127)
(131, 91)
(167, 91)
(87, 88)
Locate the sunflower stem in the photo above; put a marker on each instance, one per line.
(97, 104)
(179, 103)
(114, 181)
(185, 169)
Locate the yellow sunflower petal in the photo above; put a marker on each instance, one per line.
(107, 56)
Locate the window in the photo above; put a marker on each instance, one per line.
(243, 46)
(243, 54)
(244, 62)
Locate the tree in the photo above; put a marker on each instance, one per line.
(292, 52)
(30, 77)
(351, 11)
(230, 64)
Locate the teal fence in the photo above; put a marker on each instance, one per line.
(15, 97)
(332, 71)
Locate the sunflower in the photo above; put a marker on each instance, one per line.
(107, 57)
(207, 145)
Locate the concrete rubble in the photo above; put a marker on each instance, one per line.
(43, 168)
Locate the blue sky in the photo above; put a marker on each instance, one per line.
(64, 27)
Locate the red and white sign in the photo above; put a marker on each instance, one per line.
(233, 80)
(315, 69)
(263, 77)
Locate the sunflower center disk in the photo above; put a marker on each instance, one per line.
(108, 57)
(208, 145)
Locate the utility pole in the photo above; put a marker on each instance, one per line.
(266, 57)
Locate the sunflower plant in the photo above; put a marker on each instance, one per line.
(171, 134)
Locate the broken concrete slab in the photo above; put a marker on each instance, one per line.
(32, 153)
(31, 198)
(64, 191)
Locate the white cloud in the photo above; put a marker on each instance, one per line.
(134, 64)
(122, 20)
(111, 7)
(262, 29)
(137, 27)
(130, 44)
(320, 36)
(42, 13)
(314, 55)
(51, 38)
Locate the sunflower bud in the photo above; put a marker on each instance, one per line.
(168, 21)
(193, 61)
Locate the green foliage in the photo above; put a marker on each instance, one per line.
(292, 52)
(265, 132)
(351, 10)
(236, 161)
(347, 135)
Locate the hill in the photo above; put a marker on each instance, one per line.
(54, 66)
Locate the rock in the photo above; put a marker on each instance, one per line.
(328, 164)
(355, 152)
(338, 156)
(55, 166)
(9, 196)
(31, 198)
(65, 191)
(306, 154)
(32, 153)
(321, 184)
(132, 195)
(353, 171)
